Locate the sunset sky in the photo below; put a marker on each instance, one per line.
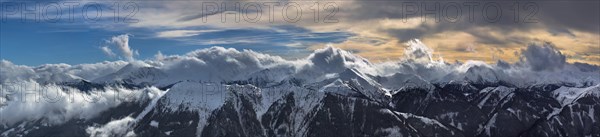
(35, 32)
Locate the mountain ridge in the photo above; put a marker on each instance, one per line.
(225, 92)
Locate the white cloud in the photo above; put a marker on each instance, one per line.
(122, 42)
(417, 51)
(92, 71)
(183, 33)
(108, 51)
(159, 56)
(217, 64)
(118, 127)
(56, 72)
(56, 104)
(10, 72)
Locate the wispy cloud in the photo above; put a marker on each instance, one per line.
(182, 33)
(108, 51)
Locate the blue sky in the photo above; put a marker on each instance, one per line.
(34, 43)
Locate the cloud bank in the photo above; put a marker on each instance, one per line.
(55, 104)
(540, 64)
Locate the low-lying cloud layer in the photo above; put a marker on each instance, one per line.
(228, 64)
(54, 104)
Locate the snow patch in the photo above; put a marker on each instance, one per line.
(154, 124)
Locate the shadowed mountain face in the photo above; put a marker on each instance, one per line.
(286, 110)
(331, 93)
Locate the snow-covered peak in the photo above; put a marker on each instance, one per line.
(403, 80)
(134, 73)
(365, 85)
(195, 96)
(568, 95)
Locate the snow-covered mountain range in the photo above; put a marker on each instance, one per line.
(332, 92)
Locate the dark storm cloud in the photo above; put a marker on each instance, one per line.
(557, 17)
(405, 35)
(583, 15)
(543, 57)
